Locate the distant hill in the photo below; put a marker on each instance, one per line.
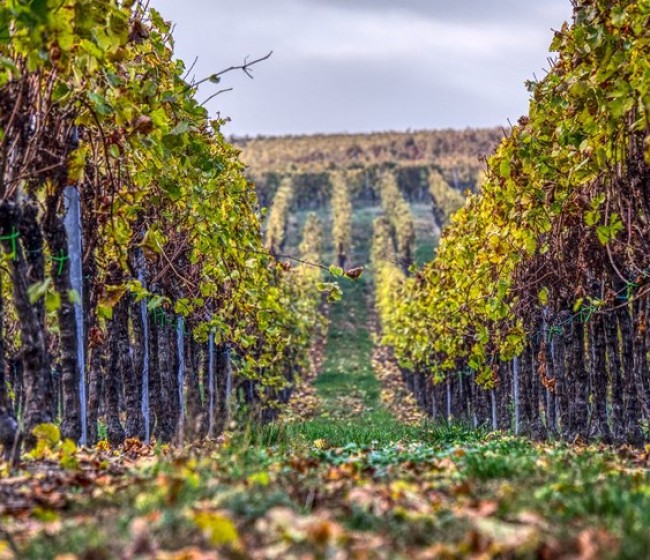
(457, 154)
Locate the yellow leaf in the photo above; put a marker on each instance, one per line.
(68, 447)
(112, 295)
(543, 295)
(45, 515)
(154, 240)
(259, 479)
(48, 433)
(67, 451)
(4, 549)
(216, 527)
(578, 304)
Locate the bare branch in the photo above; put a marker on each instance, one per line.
(246, 68)
(215, 95)
(189, 70)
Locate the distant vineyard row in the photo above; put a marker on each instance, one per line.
(457, 155)
(447, 148)
(382, 193)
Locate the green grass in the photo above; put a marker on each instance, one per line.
(362, 220)
(426, 241)
(348, 349)
(352, 410)
(378, 428)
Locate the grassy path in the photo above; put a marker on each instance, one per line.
(351, 409)
(347, 383)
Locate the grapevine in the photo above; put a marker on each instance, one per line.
(277, 223)
(90, 96)
(342, 217)
(399, 214)
(539, 284)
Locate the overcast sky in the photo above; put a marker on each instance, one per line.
(367, 65)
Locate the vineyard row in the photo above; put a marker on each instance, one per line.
(534, 314)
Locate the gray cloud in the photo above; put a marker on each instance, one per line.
(498, 11)
(361, 65)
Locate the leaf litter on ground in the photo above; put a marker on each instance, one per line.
(454, 494)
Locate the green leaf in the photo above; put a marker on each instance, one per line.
(105, 311)
(37, 290)
(100, 104)
(619, 16)
(592, 217)
(154, 240)
(114, 150)
(182, 306)
(335, 294)
(543, 296)
(154, 302)
(578, 304)
(159, 117)
(180, 128)
(603, 234)
(607, 233)
(52, 301)
(531, 244)
(336, 270)
(158, 21)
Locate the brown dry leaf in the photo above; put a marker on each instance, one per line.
(446, 464)
(354, 273)
(506, 537)
(281, 533)
(594, 543)
(305, 403)
(364, 498)
(322, 532)
(438, 551)
(191, 553)
(141, 540)
(343, 472)
(486, 508)
(276, 519)
(369, 547)
(533, 519)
